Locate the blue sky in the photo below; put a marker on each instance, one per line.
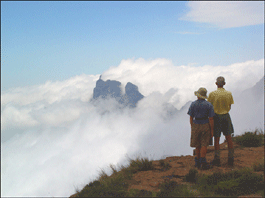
(43, 41)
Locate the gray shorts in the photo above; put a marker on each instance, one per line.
(222, 123)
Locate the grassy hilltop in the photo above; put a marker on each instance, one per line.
(176, 176)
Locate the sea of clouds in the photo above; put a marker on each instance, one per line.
(54, 141)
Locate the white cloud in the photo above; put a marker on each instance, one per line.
(80, 87)
(226, 14)
(53, 140)
(161, 75)
(16, 117)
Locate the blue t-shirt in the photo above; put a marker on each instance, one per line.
(201, 110)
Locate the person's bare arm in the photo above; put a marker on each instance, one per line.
(211, 122)
(191, 120)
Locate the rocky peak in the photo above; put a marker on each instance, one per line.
(132, 95)
(112, 88)
(105, 88)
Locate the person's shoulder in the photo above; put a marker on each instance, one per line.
(213, 92)
(192, 106)
(193, 103)
(228, 92)
(208, 103)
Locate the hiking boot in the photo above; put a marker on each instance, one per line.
(204, 164)
(197, 162)
(215, 162)
(230, 161)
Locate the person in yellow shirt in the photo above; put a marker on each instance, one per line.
(221, 100)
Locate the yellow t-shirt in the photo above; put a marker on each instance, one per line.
(221, 100)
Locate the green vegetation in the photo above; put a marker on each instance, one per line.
(140, 164)
(165, 165)
(192, 175)
(140, 193)
(233, 183)
(250, 139)
(173, 189)
(258, 165)
(107, 187)
(114, 170)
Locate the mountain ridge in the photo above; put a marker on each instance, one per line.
(112, 88)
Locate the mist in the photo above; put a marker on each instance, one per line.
(54, 141)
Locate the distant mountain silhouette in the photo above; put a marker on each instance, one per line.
(111, 88)
(132, 95)
(185, 107)
(256, 92)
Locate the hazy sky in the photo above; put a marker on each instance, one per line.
(43, 41)
(52, 53)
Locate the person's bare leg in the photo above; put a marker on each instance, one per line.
(198, 154)
(203, 151)
(216, 160)
(230, 150)
(229, 141)
(204, 164)
(216, 143)
(197, 158)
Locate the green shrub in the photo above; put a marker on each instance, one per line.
(191, 176)
(210, 180)
(261, 192)
(173, 189)
(166, 189)
(227, 188)
(85, 190)
(161, 162)
(250, 183)
(183, 191)
(140, 164)
(94, 183)
(140, 193)
(250, 139)
(259, 165)
(102, 175)
(109, 187)
(165, 165)
(114, 170)
(127, 172)
(233, 183)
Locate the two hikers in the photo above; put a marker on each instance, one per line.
(211, 118)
